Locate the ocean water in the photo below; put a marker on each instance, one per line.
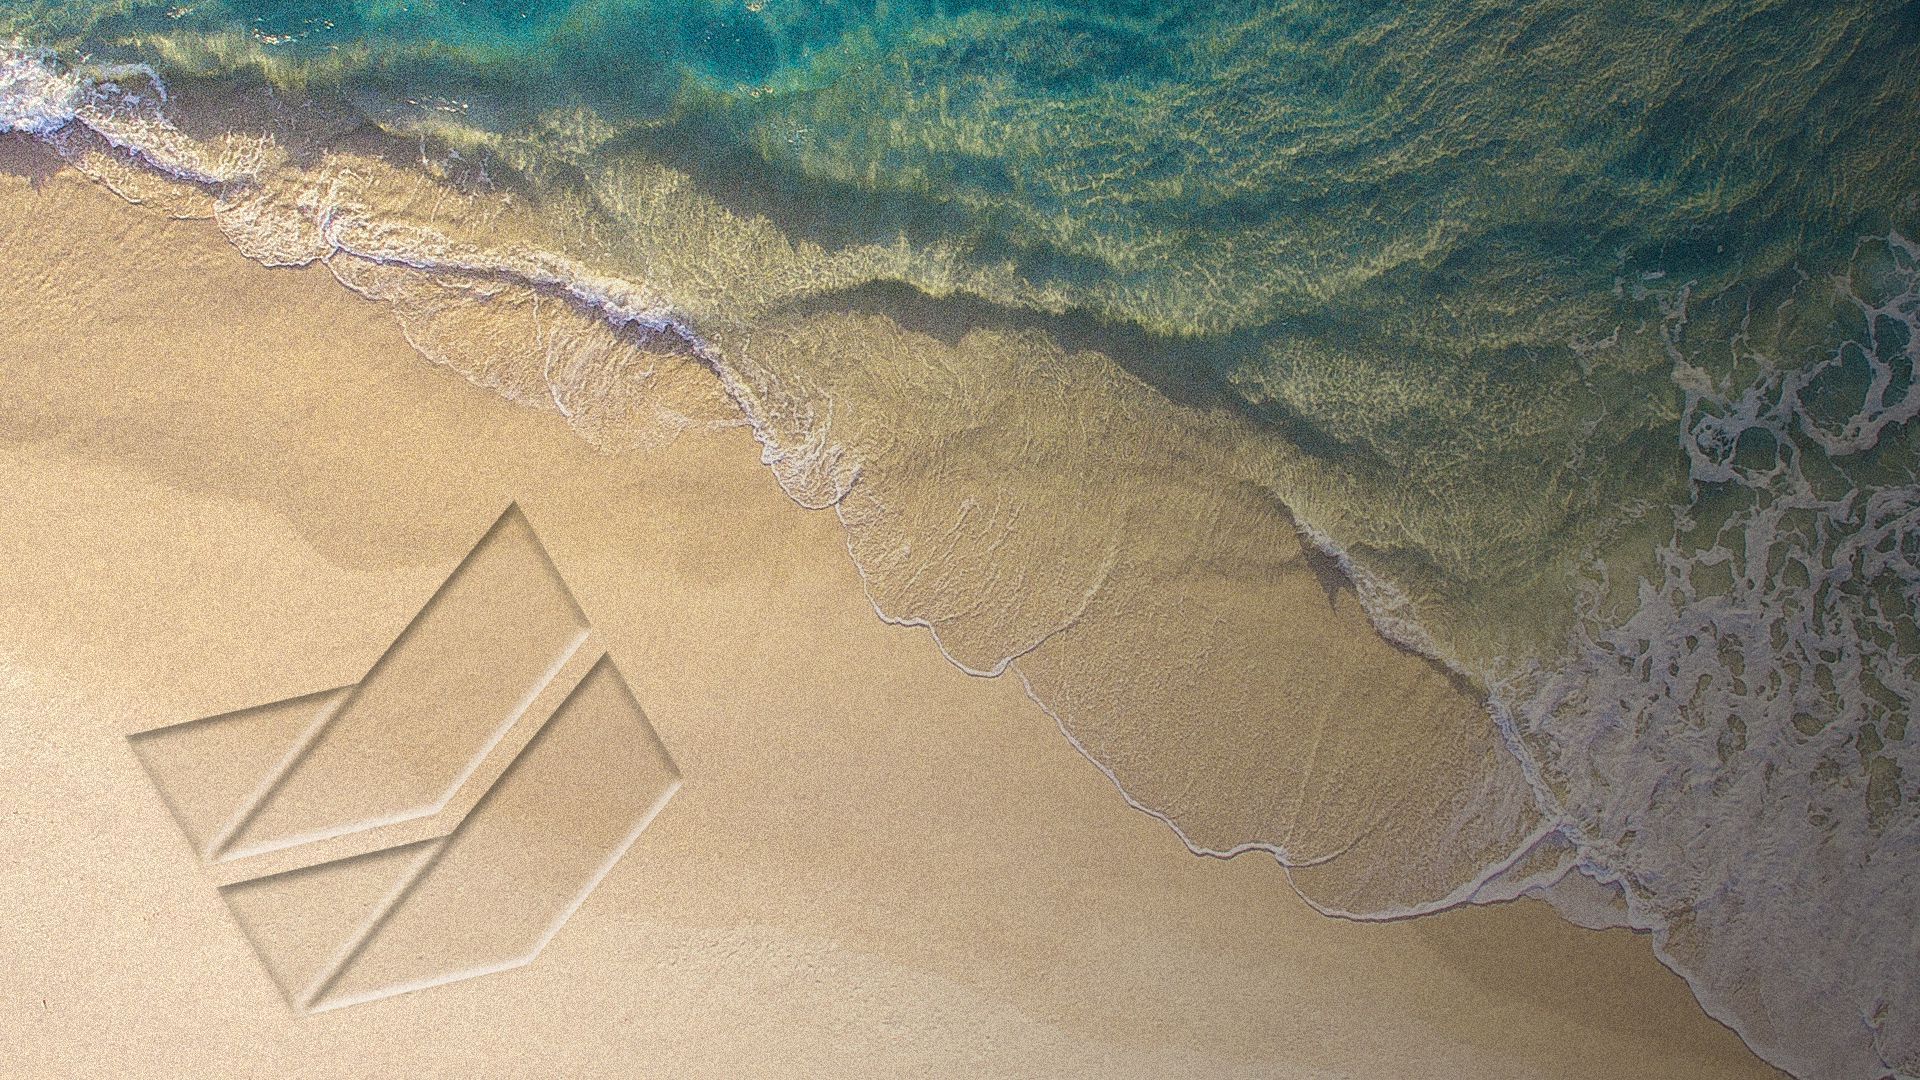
(1581, 336)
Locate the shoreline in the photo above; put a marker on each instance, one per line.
(1473, 792)
(1385, 608)
(125, 222)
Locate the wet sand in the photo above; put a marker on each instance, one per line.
(230, 485)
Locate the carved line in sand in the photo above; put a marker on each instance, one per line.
(442, 817)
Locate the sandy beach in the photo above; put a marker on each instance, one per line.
(230, 484)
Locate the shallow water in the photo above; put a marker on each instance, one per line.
(1582, 334)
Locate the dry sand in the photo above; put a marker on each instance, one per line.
(228, 485)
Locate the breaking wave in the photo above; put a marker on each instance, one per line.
(1707, 738)
(1732, 752)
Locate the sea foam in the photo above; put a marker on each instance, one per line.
(1697, 767)
(36, 96)
(1732, 754)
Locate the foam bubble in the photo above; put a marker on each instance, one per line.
(36, 97)
(1702, 767)
(1733, 754)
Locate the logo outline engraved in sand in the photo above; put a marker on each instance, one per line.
(442, 817)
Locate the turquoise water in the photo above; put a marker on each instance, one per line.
(1387, 220)
(1589, 326)
(1364, 224)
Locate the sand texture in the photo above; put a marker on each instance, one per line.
(230, 486)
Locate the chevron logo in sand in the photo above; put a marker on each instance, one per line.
(442, 817)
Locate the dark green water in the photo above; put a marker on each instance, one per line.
(1381, 222)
